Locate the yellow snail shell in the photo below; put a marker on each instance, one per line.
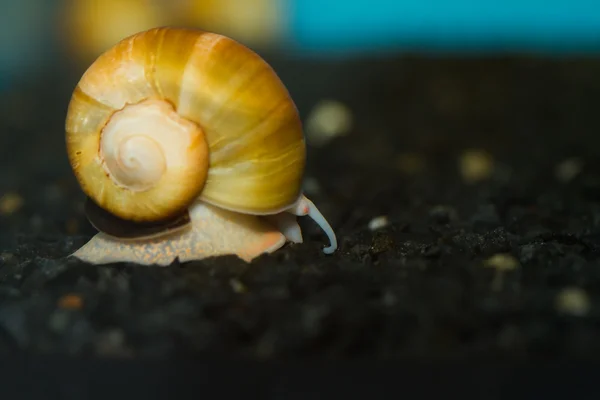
(173, 120)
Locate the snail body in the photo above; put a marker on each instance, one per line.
(192, 138)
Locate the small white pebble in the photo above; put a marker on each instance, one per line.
(502, 262)
(476, 165)
(378, 223)
(573, 301)
(237, 286)
(568, 169)
(10, 203)
(328, 119)
(311, 185)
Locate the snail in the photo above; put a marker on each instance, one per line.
(187, 145)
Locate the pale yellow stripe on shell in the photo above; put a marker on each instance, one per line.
(229, 69)
(166, 64)
(86, 115)
(270, 136)
(271, 130)
(246, 114)
(254, 114)
(229, 90)
(118, 76)
(195, 101)
(256, 191)
(86, 119)
(270, 167)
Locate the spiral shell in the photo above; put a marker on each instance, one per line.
(170, 115)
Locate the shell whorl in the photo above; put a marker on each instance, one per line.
(169, 115)
(138, 144)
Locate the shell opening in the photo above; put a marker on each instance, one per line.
(122, 229)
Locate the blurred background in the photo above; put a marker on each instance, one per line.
(39, 34)
(60, 38)
(389, 75)
(33, 32)
(41, 38)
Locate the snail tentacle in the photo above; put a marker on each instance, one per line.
(287, 225)
(305, 207)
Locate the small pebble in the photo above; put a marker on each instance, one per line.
(328, 119)
(378, 223)
(573, 301)
(71, 302)
(10, 203)
(311, 185)
(502, 262)
(568, 169)
(475, 166)
(237, 286)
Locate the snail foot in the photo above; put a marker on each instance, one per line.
(212, 232)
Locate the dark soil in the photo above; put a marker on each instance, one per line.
(420, 287)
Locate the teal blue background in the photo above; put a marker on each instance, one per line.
(340, 26)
